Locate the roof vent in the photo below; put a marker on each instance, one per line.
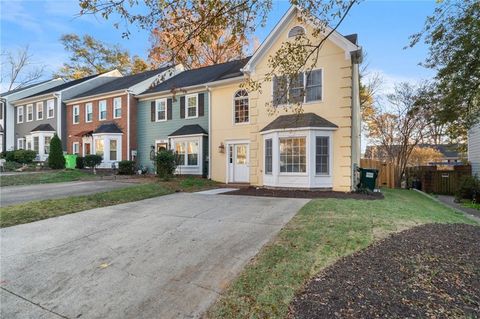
(296, 31)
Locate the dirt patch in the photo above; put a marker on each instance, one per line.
(430, 271)
(293, 193)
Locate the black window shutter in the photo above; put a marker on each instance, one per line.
(201, 104)
(169, 109)
(152, 111)
(182, 107)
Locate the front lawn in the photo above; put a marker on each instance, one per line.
(37, 210)
(45, 177)
(470, 204)
(323, 231)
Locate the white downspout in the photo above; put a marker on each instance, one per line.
(356, 117)
(209, 132)
(128, 125)
(59, 116)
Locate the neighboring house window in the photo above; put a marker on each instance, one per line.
(76, 114)
(321, 155)
(102, 110)
(21, 143)
(20, 114)
(306, 87)
(241, 106)
(161, 110)
(192, 106)
(40, 111)
(117, 107)
(75, 148)
(88, 112)
(50, 109)
(187, 153)
(99, 147)
(36, 143)
(268, 156)
(29, 112)
(293, 157)
(113, 150)
(47, 144)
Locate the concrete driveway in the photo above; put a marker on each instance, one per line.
(166, 257)
(11, 195)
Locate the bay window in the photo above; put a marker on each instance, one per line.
(20, 143)
(99, 147)
(46, 144)
(268, 156)
(293, 157)
(187, 152)
(36, 140)
(322, 155)
(113, 150)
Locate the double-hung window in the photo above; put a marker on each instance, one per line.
(21, 143)
(29, 112)
(117, 107)
(191, 106)
(76, 148)
(113, 150)
(40, 111)
(187, 153)
(322, 155)
(36, 144)
(102, 110)
(76, 114)
(268, 156)
(50, 109)
(161, 110)
(46, 144)
(301, 88)
(88, 112)
(20, 114)
(293, 156)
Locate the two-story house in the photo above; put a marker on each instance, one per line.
(7, 110)
(318, 148)
(39, 116)
(103, 120)
(175, 115)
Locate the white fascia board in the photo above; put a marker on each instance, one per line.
(33, 99)
(32, 90)
(308, 128)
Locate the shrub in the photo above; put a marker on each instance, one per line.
(11, 166)
(92, 160)
(469, 188)
(56, 160)
(166, 164)
(126, 167)
(80, 162)
(20, 156)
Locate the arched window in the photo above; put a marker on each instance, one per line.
(295, 31)
(240, 102)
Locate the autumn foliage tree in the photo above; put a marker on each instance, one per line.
(423, 155)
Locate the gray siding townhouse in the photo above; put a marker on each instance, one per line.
(474, 149)
(37, 117)
(175, 115)
(7, 110)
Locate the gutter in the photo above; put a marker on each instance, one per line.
(209, 131)
(58, 95)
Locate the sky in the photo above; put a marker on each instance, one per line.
(383, 28)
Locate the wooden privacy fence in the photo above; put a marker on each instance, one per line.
(436, 181)
(386, 171)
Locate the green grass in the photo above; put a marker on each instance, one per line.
(322, 232)
(471, 205)
(45, 177)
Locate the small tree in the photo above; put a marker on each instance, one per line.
(56, 160)
(166, 164)
(93, 161)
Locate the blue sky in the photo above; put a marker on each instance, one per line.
(383, 28)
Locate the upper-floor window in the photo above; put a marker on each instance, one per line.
(240, 102)
(117, 107)
(303, 88)
(76, 114)
(20, 114)
(39, 111)
(50, 109)
(29, 112)
(296, 31)
(102, 110)
(191, 106)
(161, 110)
(88, 112)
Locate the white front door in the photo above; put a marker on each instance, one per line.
(238, 163)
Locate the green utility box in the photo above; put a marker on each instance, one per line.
(70, 161)
(368, 178)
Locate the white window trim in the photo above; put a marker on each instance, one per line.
(78, 147)
(329, 174)
(38, 108)
(21, 141)
(76, 108)
(265, 154)
(106, 137)
(86, 112)
(50, 106)
(196, 106)
(100, 112)
(115, 108)
(20, 108)
(184, 140)
(157, 102)
(233, 108)
(29, 106)
(307, 153)
(304, 87)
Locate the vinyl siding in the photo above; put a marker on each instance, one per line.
(474, 149)
(148, 131)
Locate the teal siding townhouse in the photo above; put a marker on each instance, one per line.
(175, 115)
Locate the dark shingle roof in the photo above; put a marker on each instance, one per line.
(203, 75)
(63, 86)
(24, 88)
(122, 83)
(298, 121)
(352, 38)
(189, 130)
(43, 128)
(108, 128)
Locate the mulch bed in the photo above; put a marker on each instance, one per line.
(430, 271)
(292, 193)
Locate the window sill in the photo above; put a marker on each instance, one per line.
(293, 174)
(241, 124)
(157, 121)
(191, 117)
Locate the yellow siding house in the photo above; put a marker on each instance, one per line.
(316, 149)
